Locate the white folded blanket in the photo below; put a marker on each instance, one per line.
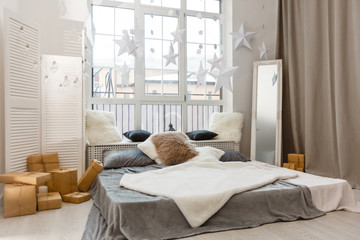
(200, 189)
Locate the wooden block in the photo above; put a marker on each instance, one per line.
(299, 169)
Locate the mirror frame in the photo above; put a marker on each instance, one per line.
(278, 141)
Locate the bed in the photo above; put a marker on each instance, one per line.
(120, 213)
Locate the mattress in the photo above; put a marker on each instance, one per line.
(119, 213)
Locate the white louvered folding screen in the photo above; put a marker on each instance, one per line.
(22, 92)
(62, 109)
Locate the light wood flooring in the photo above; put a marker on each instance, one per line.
(69, 223)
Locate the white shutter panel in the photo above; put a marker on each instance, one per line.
(62, 109)
(22, 92)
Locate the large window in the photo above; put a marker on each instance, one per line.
(150, 63)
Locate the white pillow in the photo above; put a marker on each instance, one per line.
(207, 154)
(100, 127)
(227, 125)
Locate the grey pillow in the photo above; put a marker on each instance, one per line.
(232, 156)
(125, 158)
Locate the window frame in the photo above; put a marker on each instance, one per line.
(140, 97)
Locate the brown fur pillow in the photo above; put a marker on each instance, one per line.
(173, 148)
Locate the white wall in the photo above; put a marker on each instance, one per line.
(252, 14)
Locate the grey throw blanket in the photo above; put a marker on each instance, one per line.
(119, 213)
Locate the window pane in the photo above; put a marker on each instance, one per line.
(151, 2)
(197, 5)
(212, 31)
(153, 26)
(124, 20)
(171, 3)
(156, 118)
(170, 83)
(153, 79)
(169, 26)
(103, 84)
(103, 19)
(125, 88)
(103, 51)
(163, 3)
(194, 92)
(124, 115)
(153, 54)
(199, 116)
(212, 6)
(195, 29)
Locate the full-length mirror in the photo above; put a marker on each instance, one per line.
(266, 112)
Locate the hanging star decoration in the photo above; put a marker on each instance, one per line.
(171, 56)
(215, 62)
(222, 77)
(131, 47)
(200, 75)
(125, 72)
(122, 43)
(127, 44)
(242, 38)
(178, 35)
(263, 51)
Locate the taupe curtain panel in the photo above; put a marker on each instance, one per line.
(319, 42)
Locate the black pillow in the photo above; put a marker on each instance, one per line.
(201, 135)
(125, 158)
(137, 135)
(231, 156)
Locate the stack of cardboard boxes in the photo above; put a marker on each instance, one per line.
(296, 162)
(23, 191)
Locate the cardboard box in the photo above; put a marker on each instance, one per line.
(47, 201)
(51, 161)
(89, 176)
(19, 200)
(35, 163)
(63, 180)
(76, 197)
(32, 178)
(297, 159)
(289, 165)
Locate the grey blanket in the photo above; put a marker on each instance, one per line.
(119, 213)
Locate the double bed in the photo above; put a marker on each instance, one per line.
(121, 213)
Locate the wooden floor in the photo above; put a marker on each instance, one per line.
(69, 223)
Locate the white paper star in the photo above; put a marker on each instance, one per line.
(263, 50)
(122, 43)
(178, 35)
(170, 57)
(125, 72)
(131, 47)
(242, 38)
(200, 75)
(222, 77)
(215, 62)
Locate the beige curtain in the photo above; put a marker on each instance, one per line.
(319, 42)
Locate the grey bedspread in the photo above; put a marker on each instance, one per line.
(119, 213)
